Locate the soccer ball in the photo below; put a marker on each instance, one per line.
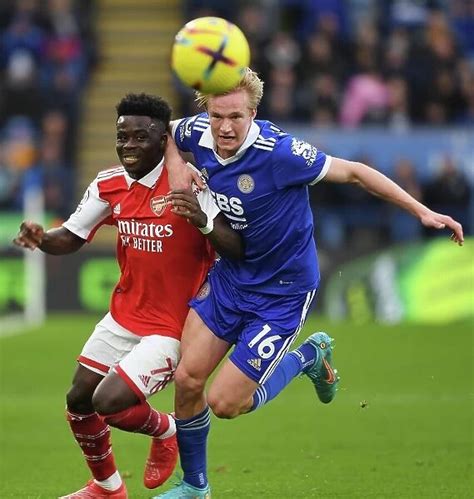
(210, 54)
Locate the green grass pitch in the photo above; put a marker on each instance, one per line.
(401, 425)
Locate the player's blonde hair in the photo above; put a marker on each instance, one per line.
(250, 82)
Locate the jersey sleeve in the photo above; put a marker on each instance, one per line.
(182, 132)
(90, 214)
(205, 199)
(297, 162)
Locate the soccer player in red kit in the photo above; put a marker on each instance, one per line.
(163, 258)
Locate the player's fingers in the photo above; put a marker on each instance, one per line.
(32, 237)
(25, 243)
(456, 227)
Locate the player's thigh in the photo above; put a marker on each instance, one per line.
(150, 366)
(231, 388)
(106, 347)
(201, 349)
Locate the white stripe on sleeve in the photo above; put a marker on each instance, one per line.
(323, 171)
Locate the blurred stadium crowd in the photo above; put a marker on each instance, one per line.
(325, 63)
(47, 51)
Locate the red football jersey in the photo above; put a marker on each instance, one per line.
(163, 259)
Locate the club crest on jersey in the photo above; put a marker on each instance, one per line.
(245, 183)
(158, 205)
(204, 291)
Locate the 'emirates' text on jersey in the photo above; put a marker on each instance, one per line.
(163, 259)
(262, 190)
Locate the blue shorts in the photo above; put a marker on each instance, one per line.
(262, 327)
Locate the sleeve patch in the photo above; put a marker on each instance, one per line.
(305, 150)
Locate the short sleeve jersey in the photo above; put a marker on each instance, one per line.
(263, 191)
(163, 259)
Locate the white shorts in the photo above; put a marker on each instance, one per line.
(146, 363)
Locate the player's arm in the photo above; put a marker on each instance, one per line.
(343, 171)
(80, 227)
(58, 241)
(226, 241)
(180, 176)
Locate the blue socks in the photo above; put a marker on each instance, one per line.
(292, 364)
(192, 441)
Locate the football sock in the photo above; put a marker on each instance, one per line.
(112, 483)
(292, 364)
(192, 441)
(142, 418)
(93, 436)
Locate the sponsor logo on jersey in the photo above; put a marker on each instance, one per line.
(134, 228)
(204, 291)
(245, 183)
(305, 150)
(117, 209)
(255, 363)
(158, 205)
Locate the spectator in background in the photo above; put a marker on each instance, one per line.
(461, 13)
(320, 102)
(21, 43)
(450, 191)
(282, 97)
(257, 26)
(398, 113)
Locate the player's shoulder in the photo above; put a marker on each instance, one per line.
(115, 171)
(191, 126)
(270, 136)
(110, 178)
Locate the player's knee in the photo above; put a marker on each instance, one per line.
(187, 382)
(79, 400)
(223, 409)
(106, 403)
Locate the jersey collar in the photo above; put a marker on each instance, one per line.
(206, 140)
(150, 179)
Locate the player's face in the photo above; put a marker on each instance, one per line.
(140, 144)
(230, 118)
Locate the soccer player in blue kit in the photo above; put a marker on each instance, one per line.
(259, 176)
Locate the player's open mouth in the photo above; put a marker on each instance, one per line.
(130, 160)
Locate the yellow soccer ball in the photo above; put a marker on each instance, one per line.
(210, 54)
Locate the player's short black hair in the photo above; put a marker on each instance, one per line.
(145, 105)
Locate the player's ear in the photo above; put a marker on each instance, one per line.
(163, 140)
(253, 113)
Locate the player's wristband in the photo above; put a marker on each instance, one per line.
(209, 227)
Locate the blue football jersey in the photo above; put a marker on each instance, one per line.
(263, 191)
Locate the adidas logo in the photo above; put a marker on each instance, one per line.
(144, 379)
(117, 209)
(255, 363)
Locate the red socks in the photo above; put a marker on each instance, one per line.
(93, 435)
(141, 418)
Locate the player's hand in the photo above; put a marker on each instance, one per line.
(180, 174)
(185, 204)
(439, 221)
(30, 235)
